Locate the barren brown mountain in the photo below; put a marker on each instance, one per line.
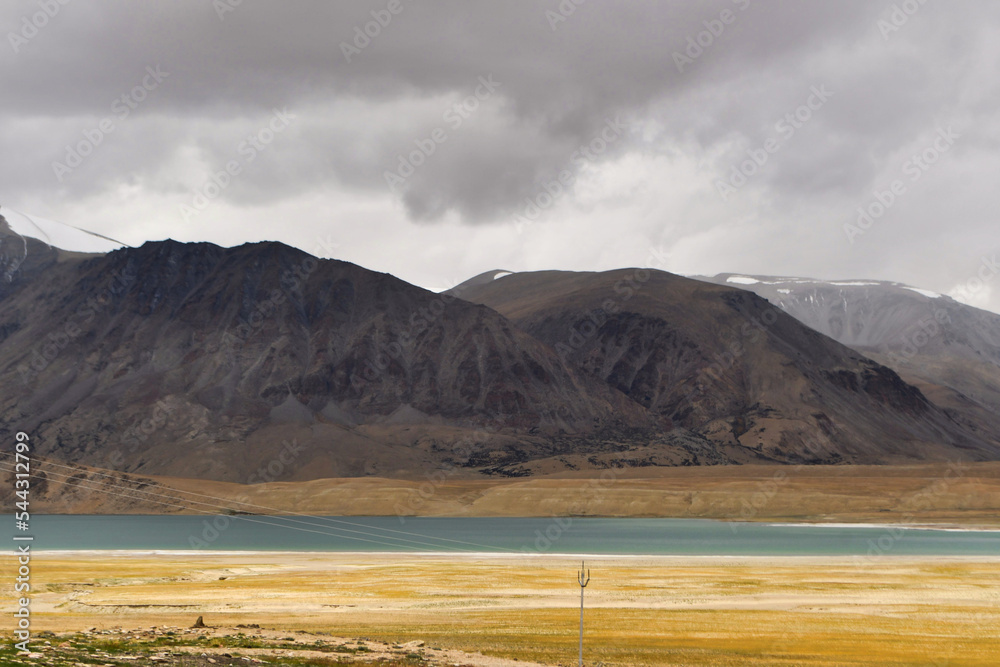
(261, 363)
(948, 349)
(195, 360)
(728, 369)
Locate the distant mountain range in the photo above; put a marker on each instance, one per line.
(948, 349)
(193, 360)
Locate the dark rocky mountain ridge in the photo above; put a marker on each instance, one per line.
(948, 349)
(222, 351)
(193, 360)
(724, 365)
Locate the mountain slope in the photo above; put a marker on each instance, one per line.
(195, 360)
(727, 368)
(884, 317)
(261, 363)
(949, 349)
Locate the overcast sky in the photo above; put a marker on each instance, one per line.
(461, 136)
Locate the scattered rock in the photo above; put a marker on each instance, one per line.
(200, 623)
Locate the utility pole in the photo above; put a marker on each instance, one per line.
(583, 584)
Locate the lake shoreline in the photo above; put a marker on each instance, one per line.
(505, 536)
(919, 495)
(673, 559)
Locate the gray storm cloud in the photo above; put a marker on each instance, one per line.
(559, 81)
(378, 86)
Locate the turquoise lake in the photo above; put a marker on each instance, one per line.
(496, 535)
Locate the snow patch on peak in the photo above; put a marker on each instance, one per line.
(855, 283)
(742, 280)
(927, 293)
(57, 234)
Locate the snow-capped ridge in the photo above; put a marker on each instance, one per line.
(58, 234)
(742, 279)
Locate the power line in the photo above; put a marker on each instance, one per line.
(48, 241)
(278, 511)
(229, 502)
(79, 484)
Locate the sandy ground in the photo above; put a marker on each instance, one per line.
(955, 494)
(640, 611)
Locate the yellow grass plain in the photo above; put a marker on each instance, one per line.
(640, 611)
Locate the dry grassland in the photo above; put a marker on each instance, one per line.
(640, 611)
